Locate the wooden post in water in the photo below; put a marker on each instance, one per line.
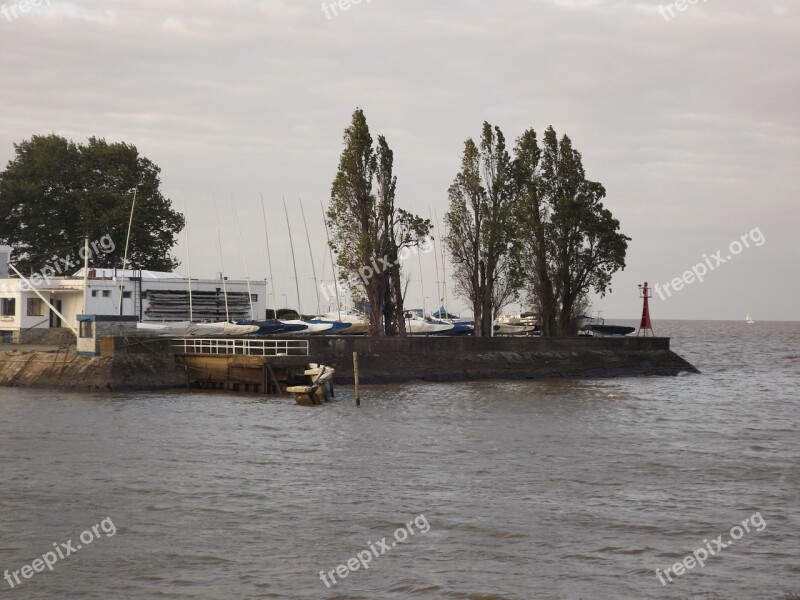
(355, 375)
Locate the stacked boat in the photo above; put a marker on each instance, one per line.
(192, 329)
(440, 323)
(517, 325)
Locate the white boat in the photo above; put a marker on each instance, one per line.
(320, 389)
(358, 322)
(516, 325)
(221, 328)
(153, 328)
(417, 326)
(186, 328)
(350, 316)
(310, 327)
(513, 329)
(748, 319)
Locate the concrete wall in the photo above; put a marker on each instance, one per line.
(126, 365)
(393, 360)
(148, 363)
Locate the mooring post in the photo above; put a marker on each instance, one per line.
(355, 375)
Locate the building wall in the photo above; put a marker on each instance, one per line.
(103, 298)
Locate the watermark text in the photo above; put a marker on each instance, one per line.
(363, 558)
(702, 269)
(712, 548)
(60, 552)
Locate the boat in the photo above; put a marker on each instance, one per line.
(748, 319)
(310, 327)
(597, 326)
(273, 327)
(188, 328)
(517, 325)
(514, 329)
(355, 329)
(416, 325)
(154, 328)
(460, 326)
(357, 322)
(318, 391)
(336, 326)
(611, 330)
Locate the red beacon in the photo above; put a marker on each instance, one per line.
(646, 325)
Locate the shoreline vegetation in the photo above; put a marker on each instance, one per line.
(523, 223)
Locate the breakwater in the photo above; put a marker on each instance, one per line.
(137, 363)
(397, 360)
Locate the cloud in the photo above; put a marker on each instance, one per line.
(692, 125)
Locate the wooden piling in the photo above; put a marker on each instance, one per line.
(355, 375)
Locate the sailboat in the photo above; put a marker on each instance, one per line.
(748, 319)
(417, 324)
(460, 326)
(356, 323)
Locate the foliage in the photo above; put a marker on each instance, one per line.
(55, 192)
(368, 230)
(572, 242)
(482, 233)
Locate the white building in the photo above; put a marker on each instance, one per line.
(151, 296)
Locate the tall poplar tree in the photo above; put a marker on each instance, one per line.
(368, 230)
(572, 242)
(482, 229)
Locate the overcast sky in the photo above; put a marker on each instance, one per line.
(690, 120)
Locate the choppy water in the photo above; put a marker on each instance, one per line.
(531, 489)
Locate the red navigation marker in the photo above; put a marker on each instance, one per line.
(646, 325)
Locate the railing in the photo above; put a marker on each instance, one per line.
(240, 346)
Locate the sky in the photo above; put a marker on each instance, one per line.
(689, 114)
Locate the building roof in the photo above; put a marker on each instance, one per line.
(108, 273)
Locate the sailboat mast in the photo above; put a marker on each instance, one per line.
(333, 264)
(311, 255)
(125, 258)
(269, 260)
(244, 257)
(294, 263)
(436, 260)
(222, 264)
(444, 267)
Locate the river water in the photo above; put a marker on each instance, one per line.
(555, 489)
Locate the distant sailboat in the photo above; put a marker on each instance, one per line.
(748, 319)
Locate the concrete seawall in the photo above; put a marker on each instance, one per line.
(126, 365)
(136, 363)
(396, 360)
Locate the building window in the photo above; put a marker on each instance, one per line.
(106, 293)
(94, 293)
(126, 294)
(253, 297)
(8, 307)
(35, 307)
(87, 329)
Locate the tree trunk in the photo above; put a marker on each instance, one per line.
(375, 298)
(400, 318)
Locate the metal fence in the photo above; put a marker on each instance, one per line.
(240, 346)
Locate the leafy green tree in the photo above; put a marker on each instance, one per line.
(55, 192)
(482, 228)
(572, 242)
(368, 230)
